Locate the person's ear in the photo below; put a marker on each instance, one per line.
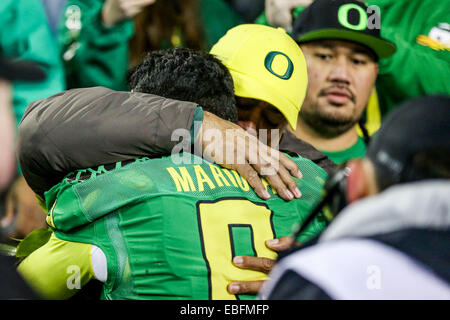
(357, 184)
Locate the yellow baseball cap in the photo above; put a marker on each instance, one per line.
(266, 64)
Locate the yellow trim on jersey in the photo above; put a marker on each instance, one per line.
(58, 269)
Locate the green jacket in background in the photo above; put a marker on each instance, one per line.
(416, 68)
(25, 34)
(217, 17)
(96, 55)
(420, 66)
(93, 53)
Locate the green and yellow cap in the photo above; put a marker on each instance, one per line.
(266, 64)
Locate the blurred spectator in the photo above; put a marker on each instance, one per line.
(12, 285)
(167, 24)
(25, 35)
(393, 244)
(101, 39)
(248, 10)
(54, 10)
(279, 13)
(23, 213)
(7, 127)
(342, 69)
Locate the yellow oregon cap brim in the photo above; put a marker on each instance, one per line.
(247, 87)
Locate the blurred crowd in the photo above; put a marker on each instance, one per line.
(51, 46)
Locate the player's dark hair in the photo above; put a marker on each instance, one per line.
(427, 164)
(188, 75)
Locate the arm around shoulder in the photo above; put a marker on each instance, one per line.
(87, 127)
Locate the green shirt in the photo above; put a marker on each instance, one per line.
(358, 150)
(169, 231)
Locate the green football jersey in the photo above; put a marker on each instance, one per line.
(170, 231)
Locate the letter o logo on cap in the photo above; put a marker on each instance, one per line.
(343, 17)
(268, 64)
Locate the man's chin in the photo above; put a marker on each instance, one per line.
(330, 125)
(339, 114)
(332, 131)
(345, 106)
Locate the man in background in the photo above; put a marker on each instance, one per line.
(25, 35)
(419, 66)
(342, 50)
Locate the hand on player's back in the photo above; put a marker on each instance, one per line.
(251, 158)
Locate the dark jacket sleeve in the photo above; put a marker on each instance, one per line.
(87, 127)
(292, 286)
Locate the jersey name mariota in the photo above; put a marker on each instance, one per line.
(171, 231)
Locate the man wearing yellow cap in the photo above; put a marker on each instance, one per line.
(343, 45)
(269, 83)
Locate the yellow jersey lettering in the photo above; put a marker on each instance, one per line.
(183, 182)
(218, 176)
(230, 176)
(202, 178)
(243, 184)
(266, 184)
